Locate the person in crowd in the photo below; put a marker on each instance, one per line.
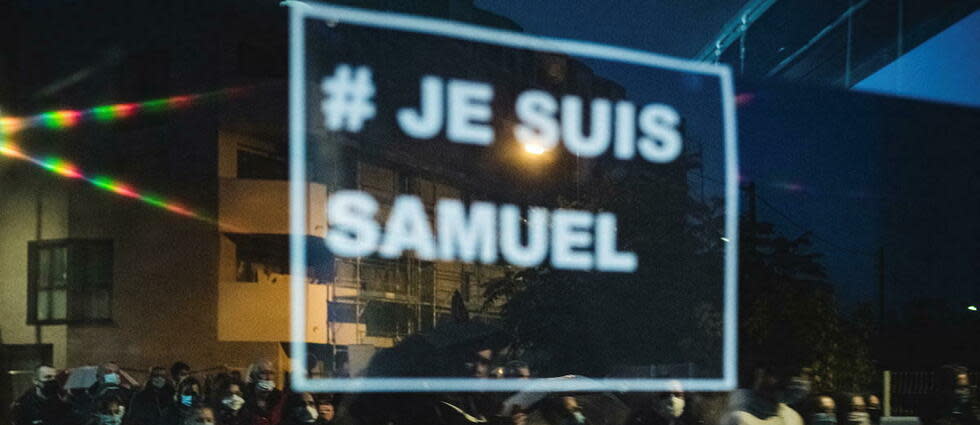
(572, 413)
(954, 402)
(766, 403)
(187, 397)
(300, 409)
(179, 371)
(855, 412)
(512, 369)
(229, 404)
(199, 414)
(874, 408)
(667, 408)
(109, 411)
(108, 384)
(262, 398)
(458, 348)
(42, 404)
(822, 411)
(150, 406)
(326, 411)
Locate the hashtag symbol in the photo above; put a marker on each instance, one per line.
(347, 103)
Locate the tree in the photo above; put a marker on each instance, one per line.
(668, 311)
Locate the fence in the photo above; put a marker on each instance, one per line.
(908, 392)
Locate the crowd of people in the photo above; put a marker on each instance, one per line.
(170, 397)
(778, 393)
(175, 396)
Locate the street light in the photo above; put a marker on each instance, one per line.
(534, 149)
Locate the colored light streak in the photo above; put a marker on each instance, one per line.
(62, 119)
(66, 169)
(743, 99)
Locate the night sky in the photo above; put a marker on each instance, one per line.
(862, 172)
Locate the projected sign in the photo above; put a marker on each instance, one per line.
(596, 183)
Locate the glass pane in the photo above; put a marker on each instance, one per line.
(59, 267)
(59, 304)
(43, 303)
(100, 306)
(43, 268)
(95, 266)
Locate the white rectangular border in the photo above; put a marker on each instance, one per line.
(297, 201)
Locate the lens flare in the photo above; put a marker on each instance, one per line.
(62, 119)
(64, 168)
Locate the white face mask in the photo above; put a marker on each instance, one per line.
(673, 406)
(858, 418)
(265, 385)
(158, 382)
(311, 414)
(233, 402)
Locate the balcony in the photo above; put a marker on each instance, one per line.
(262, 206)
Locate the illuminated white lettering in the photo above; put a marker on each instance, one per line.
(463, 238)
(536, 110)
(662, 141)
(471, 237)
(350, 217)
(427, 123)
(571, 232)
(407, 228)
(606, 256)
(469, 112)
(511, 248)
(572, 131)
(625, 146)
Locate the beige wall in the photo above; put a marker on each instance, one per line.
(260, 311)
(32, 206)
(262, 206)
(165, 292)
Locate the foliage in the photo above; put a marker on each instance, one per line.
(669, 311)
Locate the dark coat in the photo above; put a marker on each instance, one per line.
(150, 406)
(32, 409)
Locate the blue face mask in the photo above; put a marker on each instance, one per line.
(111, 379)
(823, 418)
(187, 400)
(109, 419)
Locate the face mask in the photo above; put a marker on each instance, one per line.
(109, 419)
(796, 391)
(265, 385)
(50, 388)
(875, 414)
(579, 417)
(823, 418)
(111, 378)
(233, 402)
(158, 381)
(311, 414)
(858, 418)
(187, 400)
(672, 406)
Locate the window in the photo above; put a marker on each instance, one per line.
(261, 165)
(388, 319)
(69, 281)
